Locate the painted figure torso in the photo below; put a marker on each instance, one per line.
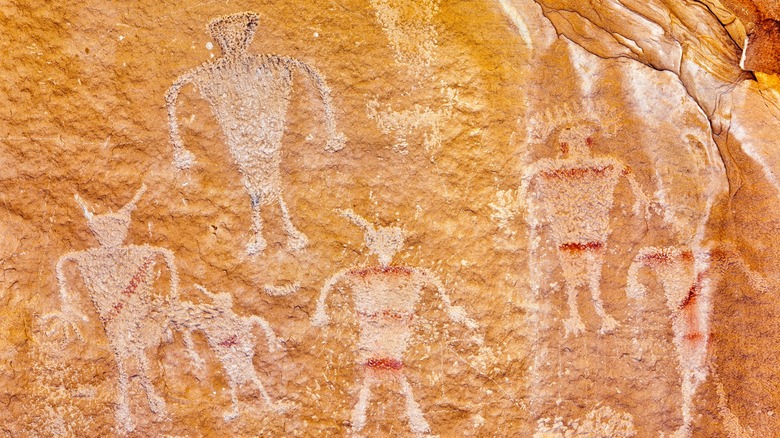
(385, 301)
(226, 334)
(119, 282)
(575, 197)
(249, 97)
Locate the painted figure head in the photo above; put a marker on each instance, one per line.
(110, 229)
(385, 242)
(576, 139)
(234, 33)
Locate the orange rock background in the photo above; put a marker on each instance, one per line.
(84, 113)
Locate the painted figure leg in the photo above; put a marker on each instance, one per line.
(156, 403)
(295, 239)
(232, 414)
(359, 411)
(123, 418)
(413, 412)
(257, 244)
(573, 325)
(274, 406)
(595, 261)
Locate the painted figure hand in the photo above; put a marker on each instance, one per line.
(69, 318)
(183, 159)
(320, 319)
(336, 143)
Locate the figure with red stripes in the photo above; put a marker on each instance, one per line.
(120, 279)
(572, 195)
(385, 297)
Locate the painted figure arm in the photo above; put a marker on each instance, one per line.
(639, 194)
(634, 289)
(320, 317)
(274, 343)
(68, 314)
(336, 139)
(456, 313)
(182, 158)
(170, 261)
(524, 203)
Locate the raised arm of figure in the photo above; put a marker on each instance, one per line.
(274, 343)
(320, 317)
(336, 140)
(68, 314)
(182, 158)
(456, 313)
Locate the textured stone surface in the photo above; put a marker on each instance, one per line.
(506, 166)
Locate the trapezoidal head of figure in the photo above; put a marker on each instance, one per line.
(234, 33)
(385, 242)
(576, 139)
(110, 229)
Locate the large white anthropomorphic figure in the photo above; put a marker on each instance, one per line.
(386, 298)
(119, 279)
(249, 96)
(573, 195)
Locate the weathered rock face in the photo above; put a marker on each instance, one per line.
(389, 217)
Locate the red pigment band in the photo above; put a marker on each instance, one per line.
(384, 364)
(229, 342)
(577, 173)
(130, 289)
(373, 270)
(665, 257)
(580, 247)
(389, 314)
(693, 337)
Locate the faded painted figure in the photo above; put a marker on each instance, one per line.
(687, 277)
(684, 277)
(230, 337)
(386, 299)
(119, 279)
(249, 95)
(573, 195)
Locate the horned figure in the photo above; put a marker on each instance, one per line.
(686, 277)
(386, 298)
(573, 195)
(249, 95)
(230, 337)
(119, 279)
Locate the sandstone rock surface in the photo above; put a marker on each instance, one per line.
(544, 218)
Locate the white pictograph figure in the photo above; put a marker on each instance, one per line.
(230, 337)
(409, 27)
(249, 95)
(386, 298)
(686, 277)
(119, 279)
(573, 195)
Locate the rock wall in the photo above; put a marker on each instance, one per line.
(542, 218)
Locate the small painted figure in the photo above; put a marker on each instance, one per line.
(573, 194)
(230, 337)
(119, 279)
(249, 96)
(386, 297)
